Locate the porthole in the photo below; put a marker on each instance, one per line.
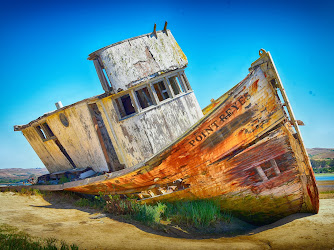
(63, 119)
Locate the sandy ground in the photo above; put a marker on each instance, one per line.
(38, 217)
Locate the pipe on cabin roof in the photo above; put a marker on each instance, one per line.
(59, 105)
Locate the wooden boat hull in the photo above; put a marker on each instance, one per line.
(244, 152)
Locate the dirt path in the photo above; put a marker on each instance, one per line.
(65, 222)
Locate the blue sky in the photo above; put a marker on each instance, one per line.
(45, 46)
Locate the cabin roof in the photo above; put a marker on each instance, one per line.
(132, 61)
(92, 55)
(21, 127)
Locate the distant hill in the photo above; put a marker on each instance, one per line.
(321, 153)
(322, 159)
(10, 175)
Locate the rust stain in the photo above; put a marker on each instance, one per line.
(254, 85)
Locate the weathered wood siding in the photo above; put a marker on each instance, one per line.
(141, 136)
(132, 61)
(48, 152)
(79, 139)
(135, 139)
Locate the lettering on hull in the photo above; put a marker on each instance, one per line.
(223, 118)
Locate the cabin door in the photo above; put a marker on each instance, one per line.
(105, 141)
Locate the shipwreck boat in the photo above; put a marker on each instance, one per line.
(147, 136)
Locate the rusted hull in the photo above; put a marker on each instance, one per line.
(243, 152)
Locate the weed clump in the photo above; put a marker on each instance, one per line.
(147, 214)
(97, 202)
(11, 238)
(30, 192)
(197, 213)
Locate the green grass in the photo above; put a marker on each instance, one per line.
(149, 214)
(327, 192)
(84, 202)
(197, 213)
(63, 179)
(7, 180)
(12, 239)
(324, 174)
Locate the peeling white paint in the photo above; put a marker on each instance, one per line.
(130, 62)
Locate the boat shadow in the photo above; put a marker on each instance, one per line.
(235, 228)
(280, 222)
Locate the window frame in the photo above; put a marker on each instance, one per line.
(178, 84)
(165, 82)
(153, 100)
(43, 130)
(133, 103)
(184, 81)
(184, 88)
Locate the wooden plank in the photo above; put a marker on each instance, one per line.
(111, 132)
(103, 80)
(104, 138)
(57, 154)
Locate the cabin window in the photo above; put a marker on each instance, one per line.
(40, 132)
(175, 84)
(186, 84)
(125, 106)
(144, 97)
(161, 90)
(44, 131)
(47, 130)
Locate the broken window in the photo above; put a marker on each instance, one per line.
(125, 106)
(44, 131)
(40, 132)
(144, 97)
(175, 84)
(186, 85)
(47, 130)
(161, 90)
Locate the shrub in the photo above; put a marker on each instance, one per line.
(63, 179)
(96, 202)
(149, 214)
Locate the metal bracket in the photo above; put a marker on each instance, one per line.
(165, 28)
(155, 30)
